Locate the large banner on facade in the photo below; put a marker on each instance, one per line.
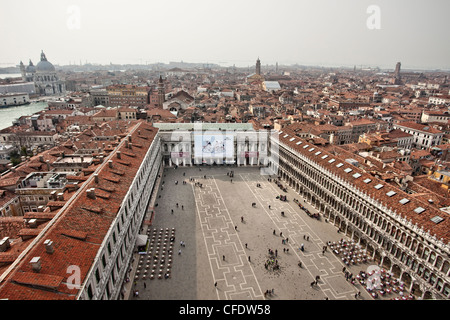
(214, 146)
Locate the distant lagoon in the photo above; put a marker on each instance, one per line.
(9, 114)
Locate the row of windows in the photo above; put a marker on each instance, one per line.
(356, 210)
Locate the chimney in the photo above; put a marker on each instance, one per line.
(126, 143)
(4, 244)
(129, 138)
(110, 163)
(48, 164)
(96, 177)
(41, 158)
(130, 145)
(32, 223)
(49, 246)
(53, 195)
(40, 209)
(91, 193)
(119, 154)
(36, 264)
(60, 196)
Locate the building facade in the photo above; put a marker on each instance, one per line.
(404, 235)
(131, 95)
(424, 136)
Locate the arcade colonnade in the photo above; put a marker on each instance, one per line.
(392, 241)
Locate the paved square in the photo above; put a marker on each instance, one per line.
(225, 254)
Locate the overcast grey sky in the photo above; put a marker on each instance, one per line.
(307, 32)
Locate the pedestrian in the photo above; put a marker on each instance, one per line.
(182, 207)
(235, 228)
(172, 211)
(177, 204)
(281, 234)
(249, 259)
(215, 284)
(242, 219)
(145, 285)
(223, 257)
(179, 251)
(269, 206)
(245, 246)
(274, 232)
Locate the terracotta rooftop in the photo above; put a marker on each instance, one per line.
(77, 233)
(414, 210)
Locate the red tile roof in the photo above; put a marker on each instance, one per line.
(76, 233)
(442, 229)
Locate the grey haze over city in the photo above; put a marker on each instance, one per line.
(375, 33)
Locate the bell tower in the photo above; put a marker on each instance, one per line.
(161, 92)
(258, 67)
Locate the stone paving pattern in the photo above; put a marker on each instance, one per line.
(223, 250)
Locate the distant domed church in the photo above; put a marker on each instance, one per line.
(44, 76)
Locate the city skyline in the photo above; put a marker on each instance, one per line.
(348, 33)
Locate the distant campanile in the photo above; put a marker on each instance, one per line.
(258, 67)
(397, 77)
(161, 92)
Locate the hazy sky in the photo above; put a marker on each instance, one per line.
(307, 32)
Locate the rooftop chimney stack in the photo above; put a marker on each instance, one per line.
(119, 155)
(110, 163)
(49, 246)
(4, 244)
(36, 264)
(32, 223)
(96, 177)
(91, 193)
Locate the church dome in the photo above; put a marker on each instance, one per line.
(30, 68)
(44, 65)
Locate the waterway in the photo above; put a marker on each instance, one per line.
(9, 114)
(10, 75)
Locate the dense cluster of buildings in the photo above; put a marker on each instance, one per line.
(369, 149)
